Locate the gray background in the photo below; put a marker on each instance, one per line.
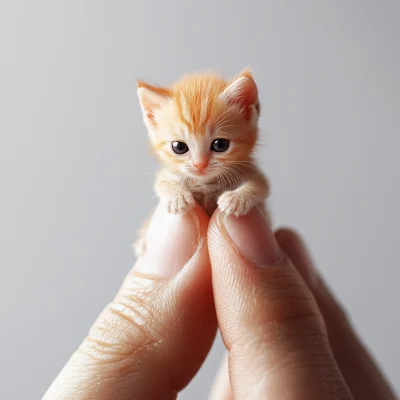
(76, 174)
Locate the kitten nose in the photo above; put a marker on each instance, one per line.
(201, 166)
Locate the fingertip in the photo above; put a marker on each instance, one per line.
(203, 218)
(295, 248)
(213, 222)
(214, 233)
(285, 234)
(249, 235)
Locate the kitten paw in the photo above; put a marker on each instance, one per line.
(235, 203)
(180, 203)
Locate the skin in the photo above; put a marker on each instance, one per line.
(285, 333)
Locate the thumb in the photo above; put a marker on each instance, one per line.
(152, 338)
(270, 323)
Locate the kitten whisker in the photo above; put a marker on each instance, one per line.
(235, 176)
(243, 164)
(231, 125)
(222, 117)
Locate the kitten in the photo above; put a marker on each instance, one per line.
(204, 129)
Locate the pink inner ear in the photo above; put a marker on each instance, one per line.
(242, 92)
(151, 98)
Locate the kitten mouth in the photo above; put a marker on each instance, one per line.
(199, 174)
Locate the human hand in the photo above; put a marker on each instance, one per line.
(286, 336)
(152, 338)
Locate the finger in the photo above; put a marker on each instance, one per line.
(221, 389)
(152, 338)
(271, 326)
(358, 368)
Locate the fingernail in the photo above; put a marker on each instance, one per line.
(252, 237)
(171, 241)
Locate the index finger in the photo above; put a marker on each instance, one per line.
(149, 342)
(270, 323)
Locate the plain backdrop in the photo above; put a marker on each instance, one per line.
(76, 173)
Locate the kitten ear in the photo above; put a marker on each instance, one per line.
(151, 99)
(243, 93)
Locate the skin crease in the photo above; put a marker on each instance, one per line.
(197, 110)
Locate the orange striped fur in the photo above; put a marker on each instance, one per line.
(197, 110)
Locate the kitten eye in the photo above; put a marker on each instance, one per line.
(180, 147)
(220, 145)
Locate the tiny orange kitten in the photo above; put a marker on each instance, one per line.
(203, 129)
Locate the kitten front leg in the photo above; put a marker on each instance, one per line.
(242, 199)
(179, 202)
(176, 197)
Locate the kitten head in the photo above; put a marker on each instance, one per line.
(202, 126)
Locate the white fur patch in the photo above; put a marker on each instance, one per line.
(234, 89)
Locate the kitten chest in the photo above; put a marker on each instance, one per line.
(206, 194)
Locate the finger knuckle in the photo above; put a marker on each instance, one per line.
(129, 327)
(289, 311)
(288, 299)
